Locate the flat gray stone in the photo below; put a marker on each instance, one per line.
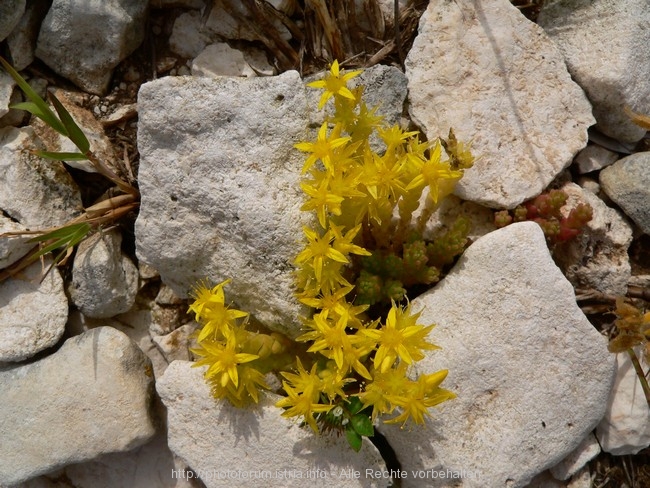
(594, 157)
(104, 280)
(515, 343)
(493, 76)
(83, 41)
(187, 38)
(10, 13)
(254, 441)
(219, 59)
(37, 193)
(597, 258)
(91, 397)
(605, 44)
(33, 313)
(627, 182)
(22, 41)
(15, 247)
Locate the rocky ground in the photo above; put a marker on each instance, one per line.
(198, 104)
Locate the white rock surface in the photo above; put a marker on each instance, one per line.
(32, 314)
(37, 193)
(133, 323)
(91, 397)
(574, 462)
(148, 466)
(15, 247)
(594, 157)
(83, 41)
(187, 39)
(514, 342)
(605, 44)
(220, 194)
(10, 13)
(254, 440)
(104, 280)
(625, 429)
(176, 345)
(258, 60)
(597, 258)
(498, 80)
(220, 59)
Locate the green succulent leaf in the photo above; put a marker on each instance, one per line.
(75, 133)
(354, 405)
(353, 437)
(37, 107)
(62, 156)
(362, 425)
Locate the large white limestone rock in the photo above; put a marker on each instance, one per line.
(219, 179)
(89, 398)
(605, 44)
(231, 447)
(531, 373)
(493, 76)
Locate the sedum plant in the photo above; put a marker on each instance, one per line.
(545, 209)
(352, 364)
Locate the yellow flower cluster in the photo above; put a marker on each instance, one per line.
(355, 192)
(358, 367)
(236, 358)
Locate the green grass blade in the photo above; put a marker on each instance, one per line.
(62, 232)
(67, 237)
(75, 133)
(44, 111)
(62, 156)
